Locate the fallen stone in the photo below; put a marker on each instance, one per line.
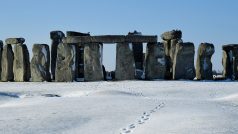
(65, 63)
(125, 64)
(174, 34)
(15, 40)
(7, 63)
(204, 64)
(56, 37)
(155, 66)
(183, 64)
(20, 64)
(93, 70)
(40, 63)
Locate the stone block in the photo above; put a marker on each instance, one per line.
(174, 34)
(7, 63)
(204, 64)
(15, 40)
(40, 63)
(65, 63)
(155, 66)
(125, 64)
(93, 70)
(183, 64)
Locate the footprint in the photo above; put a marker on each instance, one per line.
(141, 122)
(132, 126)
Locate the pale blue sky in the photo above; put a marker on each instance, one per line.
(214, 21)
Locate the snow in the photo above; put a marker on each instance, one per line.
(138, 107)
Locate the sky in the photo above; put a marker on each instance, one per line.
(200, 20)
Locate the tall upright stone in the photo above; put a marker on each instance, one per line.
(125, 64)
(79, 54)
(183, 64)
(56, 37)
(230, 61)
(40, 63)
(171, 38)
(1, 49)
(21, 64)
(155, 65)
(7, 63)
(93, 70)
(204, 64)
(65, 63)
(138, 55)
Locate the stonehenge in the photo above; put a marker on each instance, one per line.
(204, 64)
(183, 64)
(56, 37)
(78, 57)
(230, 61)
(40, 63)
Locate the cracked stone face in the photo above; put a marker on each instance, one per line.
(40, 63)
(155, 66)
(204, 64)
(183, 64)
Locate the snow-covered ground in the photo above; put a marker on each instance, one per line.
(139, 107)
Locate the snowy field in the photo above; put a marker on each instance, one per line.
(138, 107)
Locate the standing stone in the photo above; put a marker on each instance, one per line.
(183, 64)
(125, 64)
(171, 38)
(65, 63)
(21, 68)
(155, 67)
(93, 70)
(7, 63)
(79, 54)
(1, 48)
(204, 64)
(230, 61)
(56, 37)
(40, 63)
(138, 55)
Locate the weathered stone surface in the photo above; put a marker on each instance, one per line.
(183, 64)
(56, 37)
(15, 40)
(21, 63)
(65, 64)
(1, 49)
(7, 63)
(155, 67)
(93, 70)
(204, 64)
(174, 34)
(230, 61)
(125, 64)
(40, 63)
